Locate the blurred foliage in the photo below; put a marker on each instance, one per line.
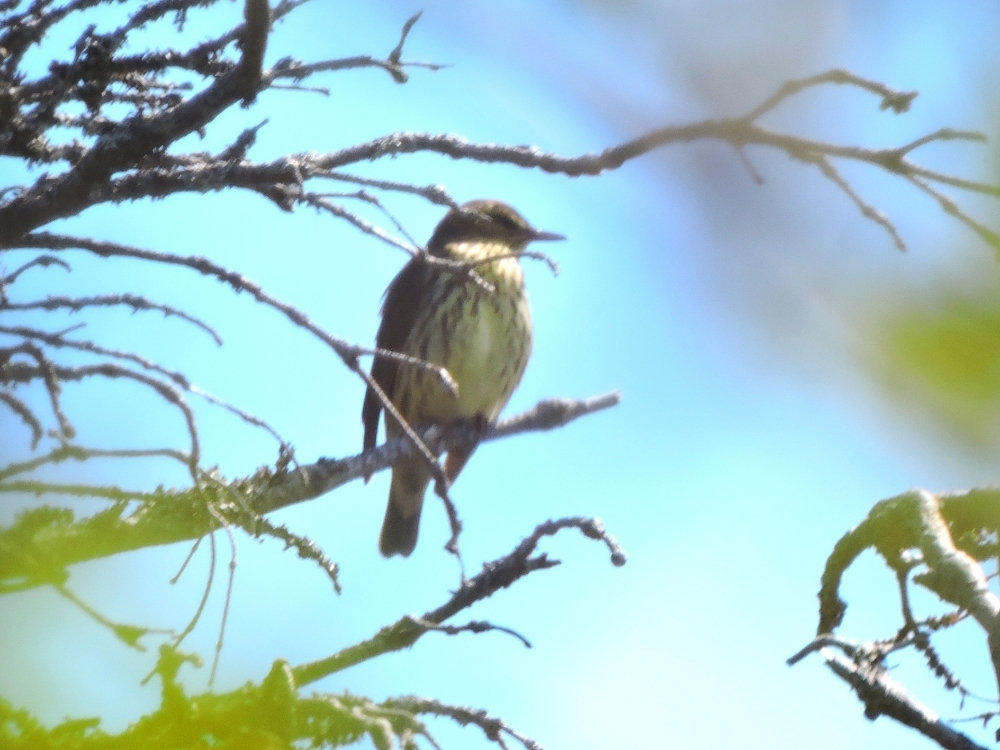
(947, 359)
(266, 717)
(938, 346)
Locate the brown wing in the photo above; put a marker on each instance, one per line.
(404, 299)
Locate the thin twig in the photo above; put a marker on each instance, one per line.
(127, 634)
(347, 352)
(57, 340)
(136, 302)
(475, 626)
(66, 451)
(897, 101)
(27, 416)
(492, 727)
(867, 210)
(495, 575)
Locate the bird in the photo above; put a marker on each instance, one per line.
(477, 326)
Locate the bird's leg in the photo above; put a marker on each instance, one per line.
(457, 457)
(480, 423)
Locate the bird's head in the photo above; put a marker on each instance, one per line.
(486, 221)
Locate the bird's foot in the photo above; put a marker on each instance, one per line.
(480, 423)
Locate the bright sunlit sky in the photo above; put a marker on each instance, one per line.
(751, 434)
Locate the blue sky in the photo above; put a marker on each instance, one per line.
(750, 435)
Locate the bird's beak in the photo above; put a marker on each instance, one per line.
(537, 236)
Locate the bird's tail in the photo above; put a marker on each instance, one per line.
(402, 514)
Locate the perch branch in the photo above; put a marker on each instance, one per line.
(34, 549)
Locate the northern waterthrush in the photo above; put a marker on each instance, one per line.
(475, 325)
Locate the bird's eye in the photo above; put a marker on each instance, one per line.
(507, 222)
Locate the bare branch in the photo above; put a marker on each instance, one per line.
(66, 452)
(105, 492)
(229, 595)
(739, 133)
(867, 210)
(348, 353)
(884, 696)
(393, 65)
(299, 70)
(27, 416)
(944, 134)
(41, 261)
(282, 181)
(462, 265)
(210, 578)
(495, 575)
(135, 301)
(154, 11)
(897, 101)
(44, 370)
(492, 727)
(304, 547)
(950, 207)
(253, 42)
(57, 340)
(435, 194)
(19, 373)
(319, 202)
(476, 626)
(398, 49)
(127, 634)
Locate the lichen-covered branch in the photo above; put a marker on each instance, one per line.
(276, 709)
(39, 546)
(272, 714)
(938, 541)
(126, 143)
(919, 520)
(884, 696)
